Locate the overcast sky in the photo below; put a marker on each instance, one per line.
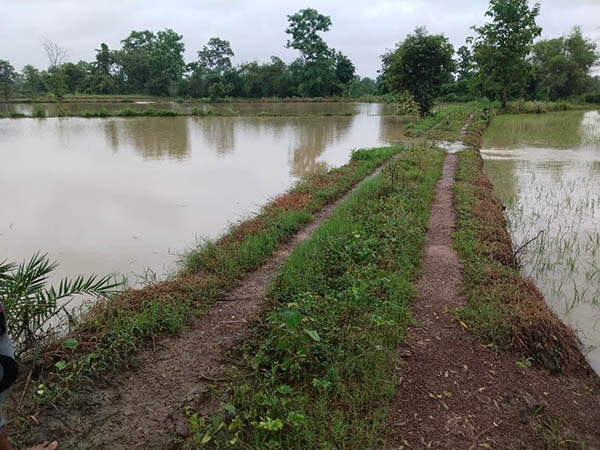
(362, 29)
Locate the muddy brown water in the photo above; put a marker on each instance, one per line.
(127, 195)
(546, 170)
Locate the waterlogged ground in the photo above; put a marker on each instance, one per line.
(546, 170)
(128, 195)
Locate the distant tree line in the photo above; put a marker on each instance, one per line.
(501, 61)
(153, 64)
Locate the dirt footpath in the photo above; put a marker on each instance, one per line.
(455, 393)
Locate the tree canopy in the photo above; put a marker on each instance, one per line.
(562, 65)
(500, 61)
(501, 46)
(420, 65)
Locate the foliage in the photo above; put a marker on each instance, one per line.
(303, 28)
(38, 111)
(562, 65)
(7, 78)
(323, 358)
(501, 47)
(32, 82)
(421, 64)
(30, 305)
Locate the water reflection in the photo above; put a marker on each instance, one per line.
(555, 191)
(218, 133)
(126, 194)
(152, 137)
(312, 137)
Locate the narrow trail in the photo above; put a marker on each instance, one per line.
(144, 408)
(454, 392)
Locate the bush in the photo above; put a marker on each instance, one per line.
(38, 111)
(593, 98)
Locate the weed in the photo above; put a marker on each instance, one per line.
(38, 112)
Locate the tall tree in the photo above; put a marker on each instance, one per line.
(563, 65)
(32, 80)
(133, 56)
(304, 27)
(166, 64)
(465, 63)
(216, 56)
(105, 72)
(501, 47)
(421, 64)
(213, 74)
(314, 73)
(7, 78)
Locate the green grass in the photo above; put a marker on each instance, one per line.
(323, 359)
(446, 121)
(552, 130)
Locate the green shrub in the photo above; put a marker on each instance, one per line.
(39, 111)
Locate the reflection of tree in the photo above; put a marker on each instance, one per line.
(392, 128)
(112, 135)
(219, 132)
(501, 173)
(313, 135)
(153, 138)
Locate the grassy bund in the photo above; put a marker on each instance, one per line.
(323, 359)
(39, 112)
(107, 337)
(504, 307)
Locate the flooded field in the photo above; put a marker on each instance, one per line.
(128, 195)
(546, 170)
(227, 108)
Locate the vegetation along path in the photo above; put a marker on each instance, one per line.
(456, 392)
(144, 408)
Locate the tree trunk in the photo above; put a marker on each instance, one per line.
(504, 96)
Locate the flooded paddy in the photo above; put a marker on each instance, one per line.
(546, 170)
(128, 195)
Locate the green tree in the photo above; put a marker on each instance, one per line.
(464, 64)
(304, 27)
(214, 67)
(562, 65)
(105, 72)
(344, 68)
(501, 47)
(314, 73)
(420, 65)
(152, 62)
(55, 81)
(165, 63)
(7, 78)
(32, 81)
(76, 76)
(216, 56)
(134, 56)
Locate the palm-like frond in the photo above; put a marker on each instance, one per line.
(30, 305)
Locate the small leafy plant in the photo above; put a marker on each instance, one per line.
(29, 305)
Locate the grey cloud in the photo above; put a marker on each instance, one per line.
(256, 28)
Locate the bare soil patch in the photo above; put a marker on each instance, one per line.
(456, 393)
